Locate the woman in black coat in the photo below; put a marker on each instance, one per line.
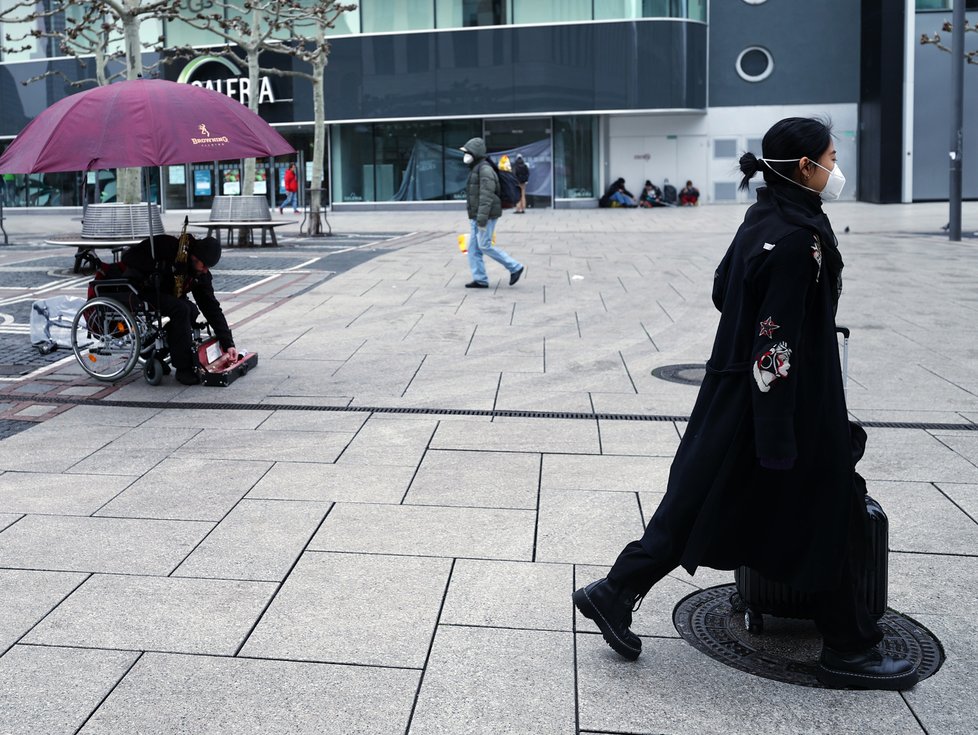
(765, 473)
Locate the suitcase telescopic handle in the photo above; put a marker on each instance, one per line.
(844, 331)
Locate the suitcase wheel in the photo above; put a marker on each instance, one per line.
(753, 621)
(737, 603)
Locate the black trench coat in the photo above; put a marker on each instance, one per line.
(773, 390)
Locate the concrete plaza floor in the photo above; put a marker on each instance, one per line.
(204, 560)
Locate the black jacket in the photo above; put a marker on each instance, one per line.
(140, 267)
(521, 171)
(773, 390)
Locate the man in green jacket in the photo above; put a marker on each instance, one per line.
(484, 208)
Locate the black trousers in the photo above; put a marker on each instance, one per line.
(179, 330)
(841, 615)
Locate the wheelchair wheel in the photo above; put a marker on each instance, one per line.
(105, 337)
(153, 371)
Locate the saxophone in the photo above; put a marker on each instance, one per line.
(180, 265)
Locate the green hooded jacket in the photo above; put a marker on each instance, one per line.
(482, 189)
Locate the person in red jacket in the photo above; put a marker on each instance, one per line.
(291, 190)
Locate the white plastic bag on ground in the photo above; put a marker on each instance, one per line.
(51, 321)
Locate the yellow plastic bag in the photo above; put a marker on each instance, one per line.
(463, 242)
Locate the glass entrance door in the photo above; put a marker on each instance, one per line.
(531, 138)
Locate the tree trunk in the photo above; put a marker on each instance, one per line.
(248, 178)
(128, 189)
(318, 145)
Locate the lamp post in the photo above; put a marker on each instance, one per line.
(957, 120)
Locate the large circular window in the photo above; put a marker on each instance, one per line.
(755, 64)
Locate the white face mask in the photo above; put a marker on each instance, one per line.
(468, 158)
(833, 187)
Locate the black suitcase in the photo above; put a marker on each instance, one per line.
(760, 596)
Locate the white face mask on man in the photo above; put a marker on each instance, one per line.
(833, 186)
(468, 158)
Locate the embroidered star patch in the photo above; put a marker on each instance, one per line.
(767, 328)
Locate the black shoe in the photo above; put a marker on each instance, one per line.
(869, 669)
(514, 277)
(476, 284)
(610, 606)
(187, 376)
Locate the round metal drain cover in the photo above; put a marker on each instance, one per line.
(787, 650)
(686, 374)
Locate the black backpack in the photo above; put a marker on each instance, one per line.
(509, 187)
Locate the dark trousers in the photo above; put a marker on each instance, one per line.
(179, 330)
(841, 615)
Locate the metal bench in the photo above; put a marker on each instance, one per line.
(245, 214)
(114, 227)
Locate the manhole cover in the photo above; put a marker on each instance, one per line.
(686, 374)
(787, 650)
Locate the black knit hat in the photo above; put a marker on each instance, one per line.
(207, 250)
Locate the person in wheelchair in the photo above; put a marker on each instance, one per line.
(177, 280)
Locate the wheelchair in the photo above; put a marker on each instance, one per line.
(116, 330)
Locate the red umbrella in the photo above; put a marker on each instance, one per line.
(141, 122)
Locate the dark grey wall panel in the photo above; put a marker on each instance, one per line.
(932, 114)
(815, 46)
(631, 65)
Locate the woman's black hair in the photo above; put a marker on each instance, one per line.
(789, 139)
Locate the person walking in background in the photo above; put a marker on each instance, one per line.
(689, 195)
(291, 190)
(522, 173)
(617, 196)
(484, 209)
(765, 475)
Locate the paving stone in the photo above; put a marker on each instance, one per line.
(27, 597)
(586, 527)
(645, 438)
(38, 409)
(348, 608)
(519, 435)
(518, 400)
(481, 533)
(91, 416)
(945, 703)
(135, 452)
(167, 694)
(350, 483)
(932, 584)
(480, 680)
(7, 519)
(922, 519)
(187, 488)
(479, 479)
(342, 421)
(679, 690)
(912, 455)
(390, 441)
(53, 690)
(505, 594)
(966, 496)
(279, 446)
(207, 418)
(258, 540)
(156, 614)
(43, 449)
(605, 473)
(43, 492)
(122, 546)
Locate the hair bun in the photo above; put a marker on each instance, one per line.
(749, 164)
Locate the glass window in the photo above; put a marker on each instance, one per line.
(617, 9)
(696, 10)
(550, 11)
(378, 16)
(466, 13)
(662, 8)
(352, 154)
(574, 147)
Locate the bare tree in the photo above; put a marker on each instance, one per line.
(970, 56)
(291, 27)
(251, 26)
(83, 30)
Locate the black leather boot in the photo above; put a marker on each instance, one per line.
(869, 669)
(610, 607)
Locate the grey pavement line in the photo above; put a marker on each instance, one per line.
(417, 468)
(435, 411)
(43, 617)
(903, 696)
(953, 501)
(109, 693)
(536, 516)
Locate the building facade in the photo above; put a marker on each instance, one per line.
(586, 90)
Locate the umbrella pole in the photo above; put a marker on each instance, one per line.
(152, 249)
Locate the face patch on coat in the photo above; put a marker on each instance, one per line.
(771, 366)
(767, 328)
(817, 254)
